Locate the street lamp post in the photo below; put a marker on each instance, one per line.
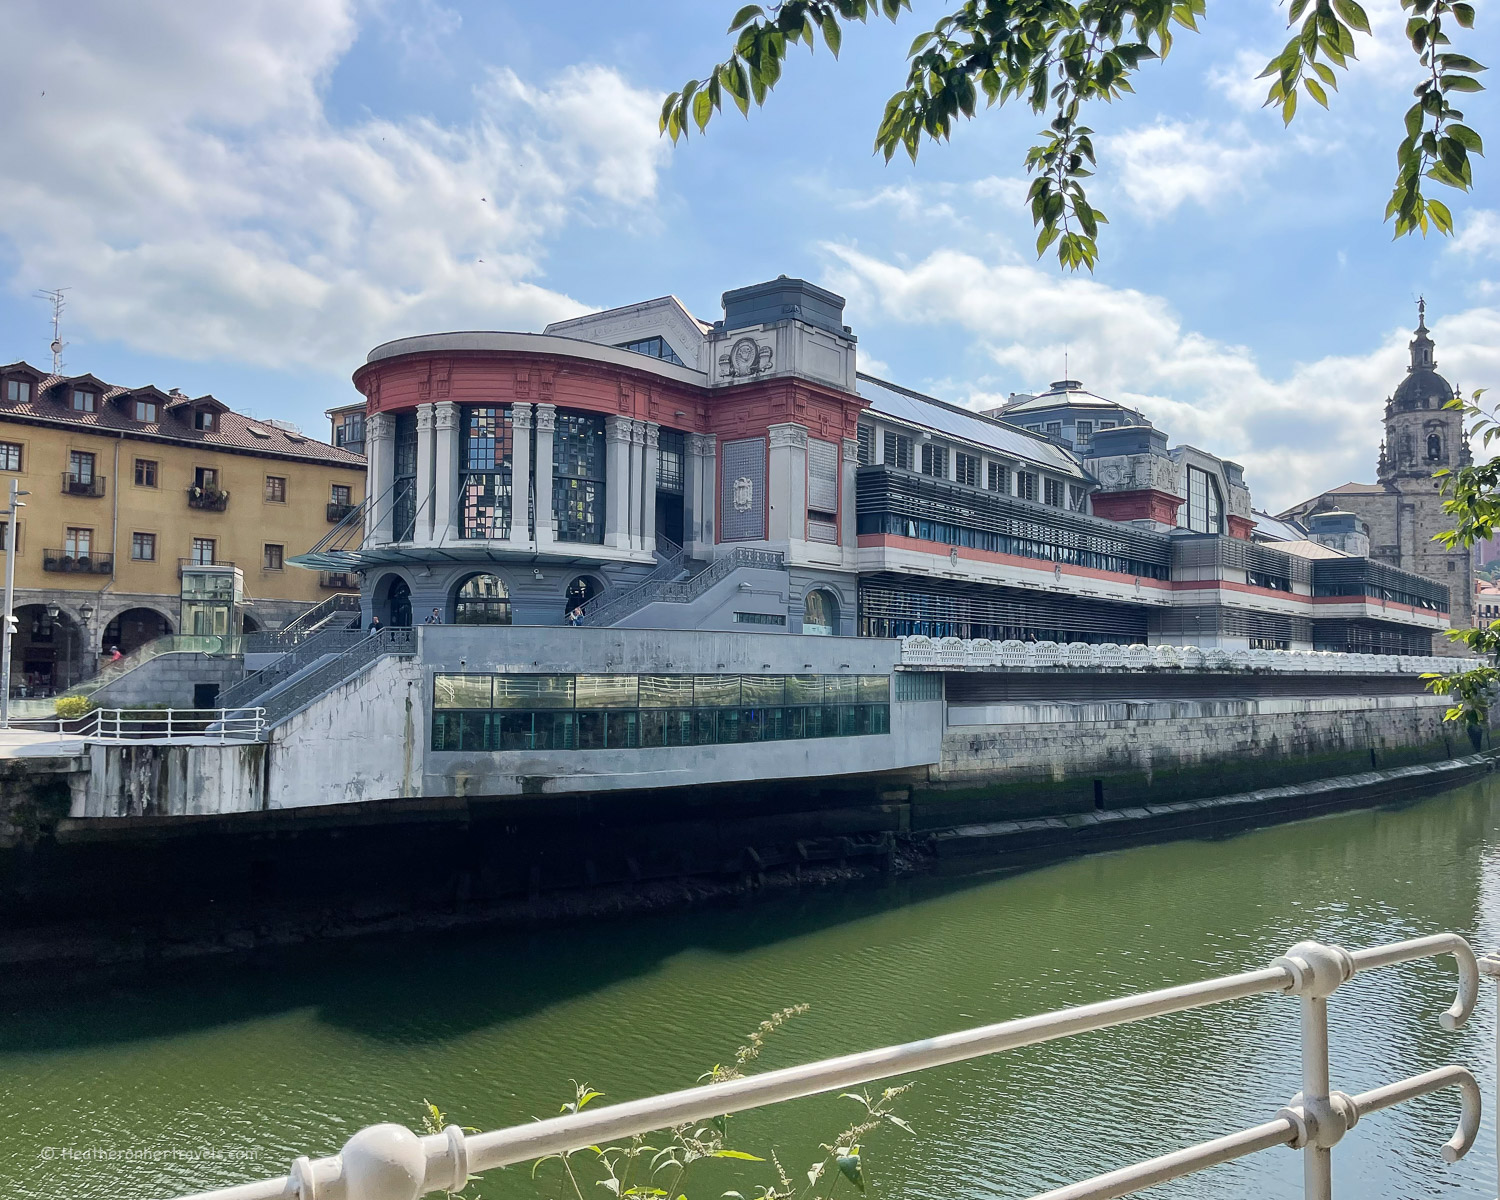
(8, 620)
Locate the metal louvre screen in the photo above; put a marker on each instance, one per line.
(822, 476)
(742, 490)
(914, 505)
(1363, 577)
(1236, 622)
(1218, 551)
(899, 605)
(1369, 637)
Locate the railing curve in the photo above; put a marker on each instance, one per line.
(389, 1162)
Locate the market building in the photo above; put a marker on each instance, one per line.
(643, 467)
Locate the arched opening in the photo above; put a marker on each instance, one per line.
(249, 624)
(47, 654)
(580, 592)
(482, 600)
(391, 602)
(1434, 447)
(133, 628)
(820, 613)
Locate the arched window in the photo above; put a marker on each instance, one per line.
(1205, 506)
(1434, 447)
(397, 603)
(580, 592)
(820, 613)
(482, 600)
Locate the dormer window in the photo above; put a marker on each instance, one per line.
(17, 391)
(205, 419)
(84, 401)
(145, 410)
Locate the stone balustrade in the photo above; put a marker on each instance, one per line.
(968, 654)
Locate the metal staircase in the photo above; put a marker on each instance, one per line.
(673, 588)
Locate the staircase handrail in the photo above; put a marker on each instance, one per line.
(601, 610)
(309, 617)
(333, 672)
(314, 646)
(171, 643)
(684, 591)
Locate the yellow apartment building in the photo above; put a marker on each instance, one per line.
(151, 512)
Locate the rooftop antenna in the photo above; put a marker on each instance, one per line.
(59, 303)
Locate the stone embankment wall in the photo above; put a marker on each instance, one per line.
(1026, 758)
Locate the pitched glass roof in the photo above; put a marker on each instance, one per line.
(886, 399)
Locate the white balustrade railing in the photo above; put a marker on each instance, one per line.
(159, 724)
(953, 654)
(389, 1162)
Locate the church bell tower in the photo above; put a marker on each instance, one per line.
(1422, 437)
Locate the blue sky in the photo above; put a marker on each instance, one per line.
(245, 197)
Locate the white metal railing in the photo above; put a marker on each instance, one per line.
(164, 724)
(956, 654)
(389, 1162)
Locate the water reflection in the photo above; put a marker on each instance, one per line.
(291, 1059)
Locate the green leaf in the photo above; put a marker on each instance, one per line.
(740, 1154)
(1352, 15)
(745, 16)
(848, 1165)
(833, 36)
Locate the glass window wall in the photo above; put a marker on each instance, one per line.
(578, 478)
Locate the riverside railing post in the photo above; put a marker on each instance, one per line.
(1317, 1160)
(1489, 967)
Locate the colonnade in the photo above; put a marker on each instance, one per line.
(632, 461)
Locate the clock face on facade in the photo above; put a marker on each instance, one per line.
(743, 354)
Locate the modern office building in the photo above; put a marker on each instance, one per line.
(643, 467)
(152, 512)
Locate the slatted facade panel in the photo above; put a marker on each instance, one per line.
(1237, 553)
(1364, 577)
(898, 605)
(908, 504)
(1232, 622)
(1369, 637)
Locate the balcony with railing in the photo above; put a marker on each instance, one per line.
(338, 581)
(337, 511)
(78, 564)
(82, 485)
(209, 499)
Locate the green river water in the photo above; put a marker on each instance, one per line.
(227, 1072)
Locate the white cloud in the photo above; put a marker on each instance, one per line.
(1480, 236)
(1316, 427)
(184, 178)
(1167, 164)
(1239, 79)
(929, 200)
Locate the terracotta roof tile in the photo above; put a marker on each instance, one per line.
(50, 404)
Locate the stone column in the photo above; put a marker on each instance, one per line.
(699, 491)
(446, 470)
(848, 480)
(786, 483)
(520, 475)
(652, 432)
(421, 534)
(618, 439)
(380, 450)
(546, 522)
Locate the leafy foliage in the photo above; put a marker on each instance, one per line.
(69, 707)
(1471, 495)
(663, 1166)
(1055, 55)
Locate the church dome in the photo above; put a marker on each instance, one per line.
(1423, 387)
(1420, 385)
